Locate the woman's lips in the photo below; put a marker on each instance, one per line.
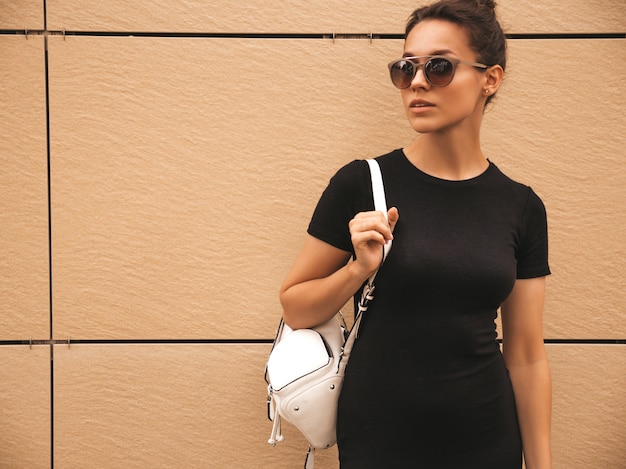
(419, 105)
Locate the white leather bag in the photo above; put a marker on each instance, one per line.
(305, 368)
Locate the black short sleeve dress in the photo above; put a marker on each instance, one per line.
(426, 385)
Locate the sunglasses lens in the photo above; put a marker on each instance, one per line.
(402, 73)
(439, 71)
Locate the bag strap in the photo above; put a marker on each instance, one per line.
(380, 204)
(367, 295)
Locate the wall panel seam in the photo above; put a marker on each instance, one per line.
(69, 342)
(322, 35)
(49, 195)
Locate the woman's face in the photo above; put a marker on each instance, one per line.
(460, 103)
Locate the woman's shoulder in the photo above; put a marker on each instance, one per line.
(507, 181)
(519, 191)
(393, 158)
(357, 171)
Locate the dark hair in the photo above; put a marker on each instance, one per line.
(478, 18)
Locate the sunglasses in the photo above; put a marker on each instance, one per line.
(438, 70)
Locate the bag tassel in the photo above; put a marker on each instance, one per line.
(309, 461)
(276, 436)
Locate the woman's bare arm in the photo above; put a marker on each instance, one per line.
(525, 356)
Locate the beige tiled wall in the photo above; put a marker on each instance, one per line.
(178, 170)
(25, 406)
(24, 260)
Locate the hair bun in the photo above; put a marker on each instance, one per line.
(486, 4)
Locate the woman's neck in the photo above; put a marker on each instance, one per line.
(447, 157)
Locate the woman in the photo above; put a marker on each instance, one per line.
(427, 385)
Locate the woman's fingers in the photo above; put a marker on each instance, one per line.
(393, 216)
(366, 238)
(375, 221)
(369, 232)
(365, 222)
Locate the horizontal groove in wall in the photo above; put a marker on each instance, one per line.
(70, 342)
(586, 341)
(332, 35)
(567, 36)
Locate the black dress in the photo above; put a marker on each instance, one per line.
(426, 385)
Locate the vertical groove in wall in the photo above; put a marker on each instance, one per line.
(47, 99)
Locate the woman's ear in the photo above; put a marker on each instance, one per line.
(492, 79)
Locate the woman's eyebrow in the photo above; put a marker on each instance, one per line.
(443, 52)
(436, 52)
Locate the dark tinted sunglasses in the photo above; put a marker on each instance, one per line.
(438, 70)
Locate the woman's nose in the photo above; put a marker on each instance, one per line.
(419, 80)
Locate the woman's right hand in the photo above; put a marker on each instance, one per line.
(370, 231)
(322, 280)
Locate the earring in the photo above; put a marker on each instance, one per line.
(486, 91)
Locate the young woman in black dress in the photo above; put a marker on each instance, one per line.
(427, 385)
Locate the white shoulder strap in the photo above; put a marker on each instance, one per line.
(367, 295)
(380, 202)
(378, 188)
